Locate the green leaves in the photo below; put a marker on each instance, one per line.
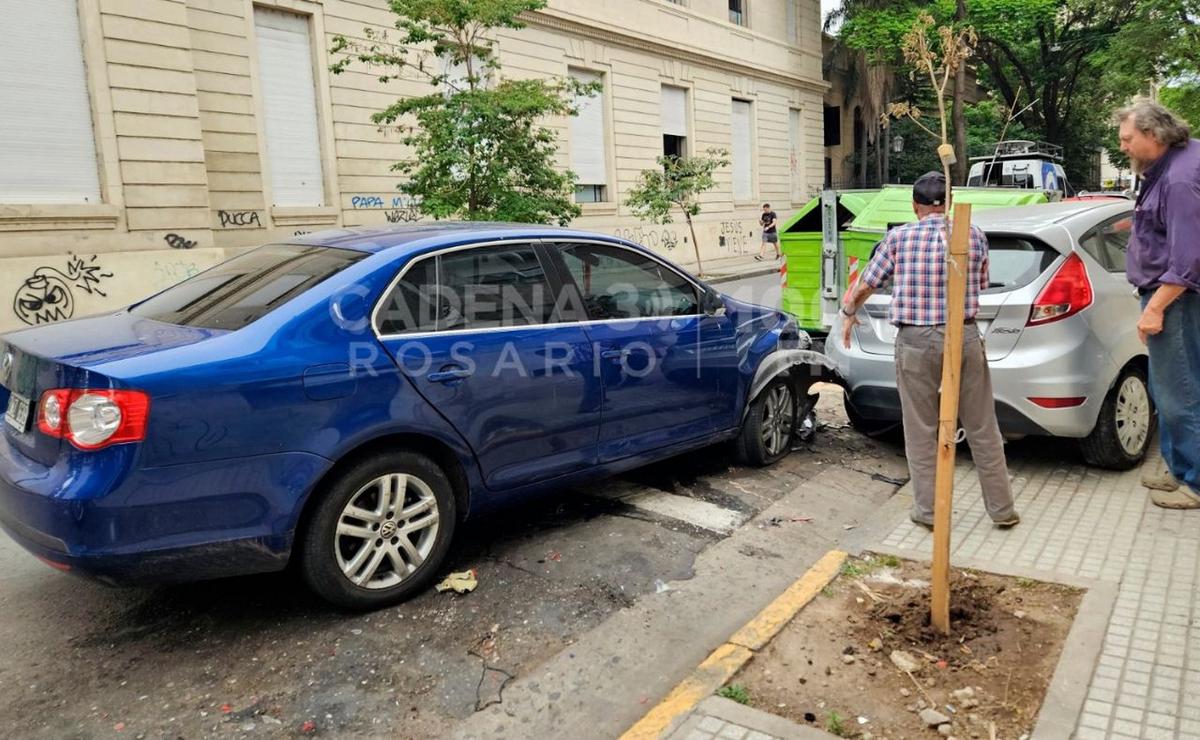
(479, 149)
(677, 184)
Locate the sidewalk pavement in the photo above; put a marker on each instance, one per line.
(740, 267)
(1079, 525)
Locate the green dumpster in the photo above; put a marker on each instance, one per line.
(800, 243)
(863, 217)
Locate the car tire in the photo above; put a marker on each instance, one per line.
(1125, 425)
(767, 433)
(371, 497)
(873, 428)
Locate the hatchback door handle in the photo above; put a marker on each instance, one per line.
(445, 376)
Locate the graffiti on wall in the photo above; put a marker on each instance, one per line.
(734, 237)
(239, 218)
(655, 237)
(175, 241)
(398, 209)
(170, 272)
(48, 294)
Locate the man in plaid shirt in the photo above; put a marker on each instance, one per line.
(913, 257)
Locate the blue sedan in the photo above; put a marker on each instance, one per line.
(340, 402)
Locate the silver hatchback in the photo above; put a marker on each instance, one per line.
(1059, 325)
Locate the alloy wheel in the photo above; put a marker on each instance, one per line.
(386, 531)
(778, 417)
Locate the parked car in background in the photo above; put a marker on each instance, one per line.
(1059, 326)
(343, 400)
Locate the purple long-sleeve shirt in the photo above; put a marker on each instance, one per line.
(1165, 247)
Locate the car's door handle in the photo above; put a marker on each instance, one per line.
(445, 376)
(615, 354)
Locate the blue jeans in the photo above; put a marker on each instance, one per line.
(1175, 386)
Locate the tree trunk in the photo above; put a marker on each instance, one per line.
(695, 244)
(887, 156)
(960, 116)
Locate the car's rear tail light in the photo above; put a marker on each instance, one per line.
(1059, 403)
(52, 411)
(1067, 293)
(94, 418)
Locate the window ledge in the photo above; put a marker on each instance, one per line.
(598, 209)
(58, 217)
(304, 216)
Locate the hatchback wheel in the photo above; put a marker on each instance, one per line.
(1125, 425)
(380, 532)
(766, 435)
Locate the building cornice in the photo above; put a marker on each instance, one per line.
(628, 38)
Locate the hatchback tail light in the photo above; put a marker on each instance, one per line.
(1067, 293)
(94, 418)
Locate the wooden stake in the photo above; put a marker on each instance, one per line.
(956, 284)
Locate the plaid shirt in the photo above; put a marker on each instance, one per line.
(914, 257)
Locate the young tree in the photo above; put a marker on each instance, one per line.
(480, 151)
(677, 183)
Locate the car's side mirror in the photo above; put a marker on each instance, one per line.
(711, 303)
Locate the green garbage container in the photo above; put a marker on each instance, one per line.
(863, 217)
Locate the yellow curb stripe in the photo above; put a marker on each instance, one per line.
(729, 658)
(716, 669)
(759, 631)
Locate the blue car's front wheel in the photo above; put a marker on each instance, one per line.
(767, 433)
(380, 531)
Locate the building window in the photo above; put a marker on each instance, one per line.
(589, 157)
(674, 121)
(796, 155)
(289, 105)
(47, 145)
(590, 194)
(833, 125)
(793, 31)
(737, 12)
(743, 151)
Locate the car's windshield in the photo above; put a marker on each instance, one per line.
(247, 287)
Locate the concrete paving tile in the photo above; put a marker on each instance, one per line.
(711, 724)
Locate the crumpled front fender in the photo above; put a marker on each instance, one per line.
(804, 366)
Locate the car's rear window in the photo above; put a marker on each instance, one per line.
(1014, 262)
(244, 289)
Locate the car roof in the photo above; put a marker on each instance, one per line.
(1031, 219)
(419, 236)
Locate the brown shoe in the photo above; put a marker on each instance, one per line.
(1178, 499)
(1010, 522)
(1160, 480)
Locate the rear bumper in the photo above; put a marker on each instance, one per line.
(883, 404)
(1082, 368)
(97, 516)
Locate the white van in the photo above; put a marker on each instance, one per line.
(1035, 165)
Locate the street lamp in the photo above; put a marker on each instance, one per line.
(897, 144)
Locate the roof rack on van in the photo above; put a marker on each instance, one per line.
(1023, 147)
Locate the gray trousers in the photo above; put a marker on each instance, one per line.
(919, 379)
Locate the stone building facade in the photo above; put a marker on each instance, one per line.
(142, 141)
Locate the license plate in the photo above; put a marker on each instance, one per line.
(17, 414)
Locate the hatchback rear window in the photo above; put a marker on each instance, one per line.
(1014, 262)
(244, 289)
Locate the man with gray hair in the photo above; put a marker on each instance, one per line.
(1163, 262)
